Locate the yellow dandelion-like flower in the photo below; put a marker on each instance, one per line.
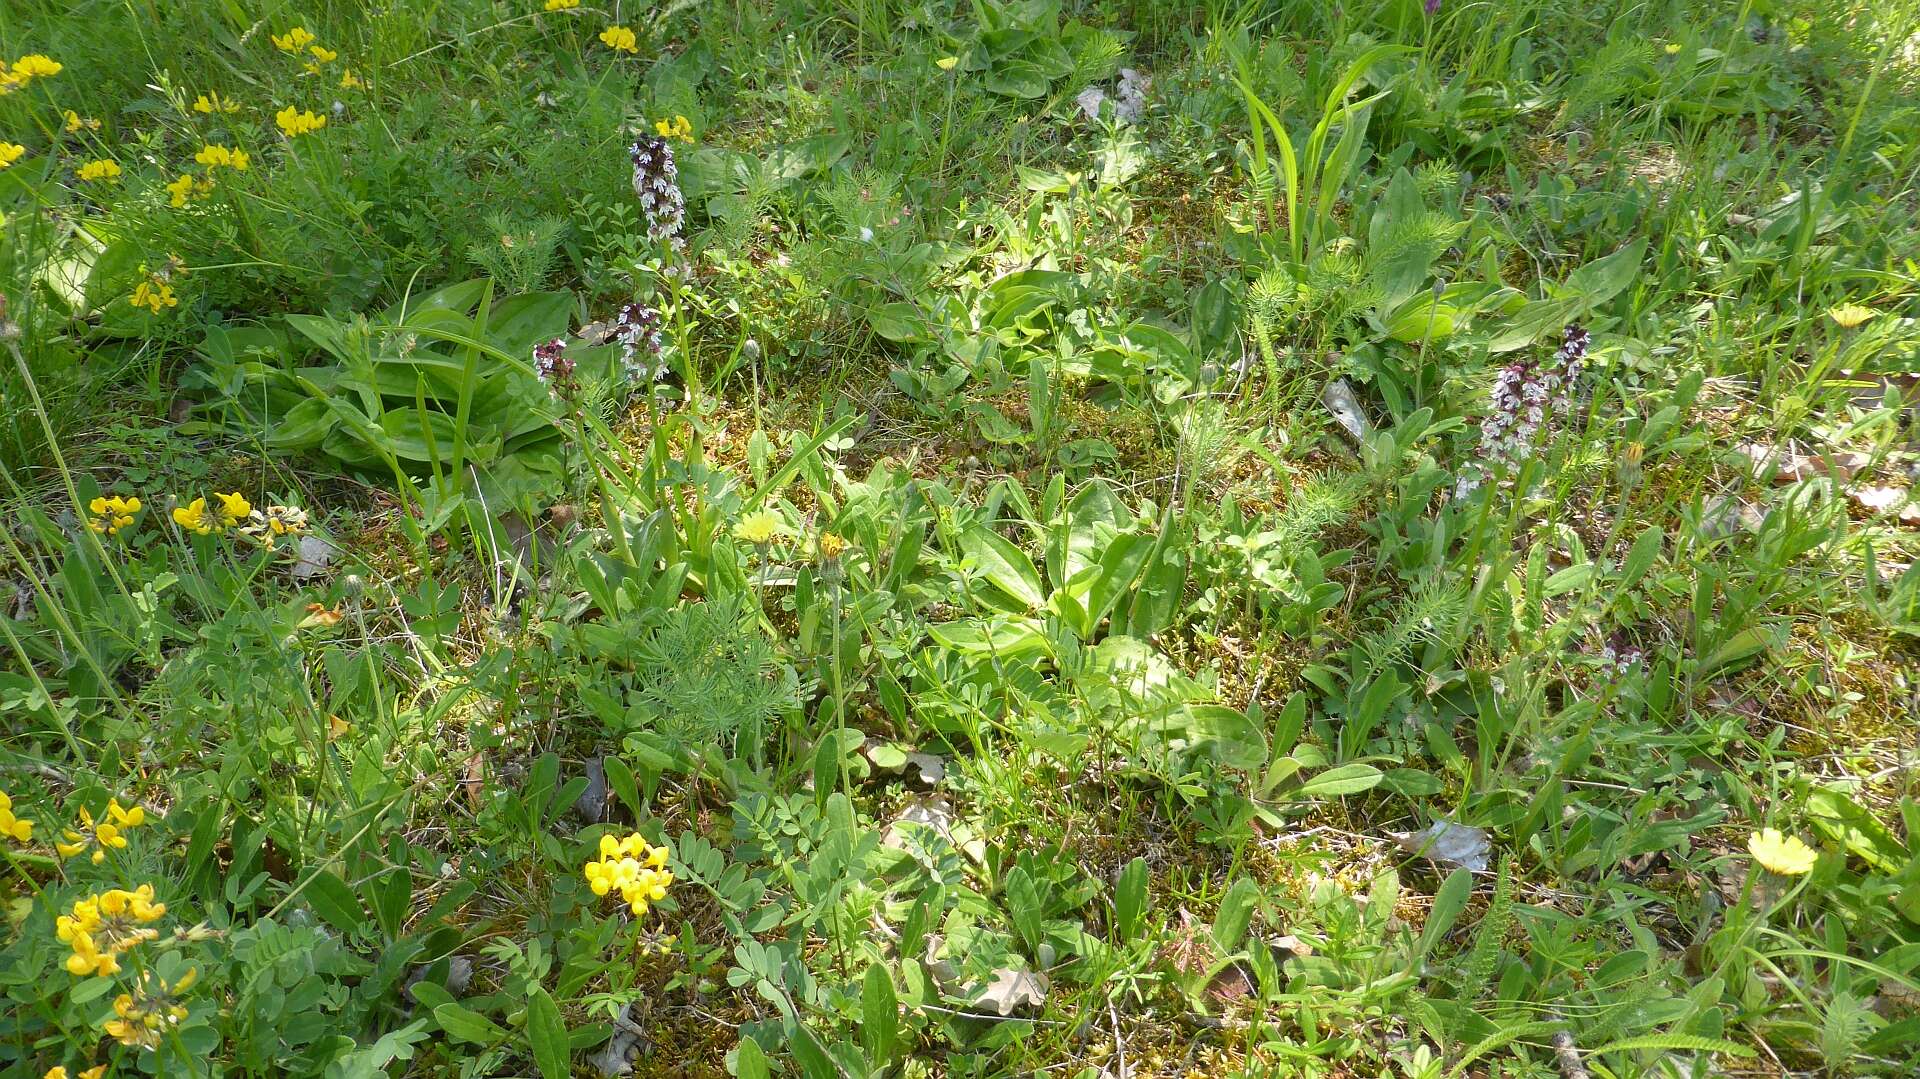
(1848, 315)
(103, 169)
(947, 63)
(293, 40)
(36, 66)
(211, 102)
(759, 527)
(620, 38)
(14, 828)
(296, 122)
(9, 153)
(1786, 855)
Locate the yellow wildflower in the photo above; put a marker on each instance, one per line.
(350, 81)
(109, 833)
(36, 66)
(634, 868)
(947, 63)
(758, 528)
(193, 517)
(323, 54)
(1848, 315)
(293, 40)
(143, 1016)
(9, 153)
(103, 169)
(1786, 855)
(214, 156)
(154, 295)
(562, 5)
(211, 102)
(14, 828)
(830, 545)
(676, 128)
(77, 123)
(188, 185)
(234, 508)
(620, 39)
(296, 122)
(10, 80)
(111, 514)
(100, 928)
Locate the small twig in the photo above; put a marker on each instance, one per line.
(1569, 1056)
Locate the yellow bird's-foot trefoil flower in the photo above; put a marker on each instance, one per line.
(109, 834)
(101, 928)
(294, 40)
(634, 868)
(14, 828)
(112, 513)
(296, 122)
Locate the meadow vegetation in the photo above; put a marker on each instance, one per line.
(1087, 538)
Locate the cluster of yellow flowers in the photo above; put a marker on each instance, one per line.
(101, 928)
(634, 868)
(296, 122)
(20, 831)
(195, 517)
(111, 514)
(9, 153)
(103, 169)
(101, 836)
(26, 69)
(189, 186)
(77, 123)
(59, 1071)
(677, 128)
(293, 40)
(211, 102)
(154, 294)
(141, 1017)
(214, 156)
(620, 39)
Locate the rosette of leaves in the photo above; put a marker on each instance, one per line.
(427, 387)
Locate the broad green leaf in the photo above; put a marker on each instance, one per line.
(1235, 914)
(466, 1025)
(1345, 779)
(1005, 566)
(548, 1035)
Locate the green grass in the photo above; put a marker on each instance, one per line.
(1072, 601)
